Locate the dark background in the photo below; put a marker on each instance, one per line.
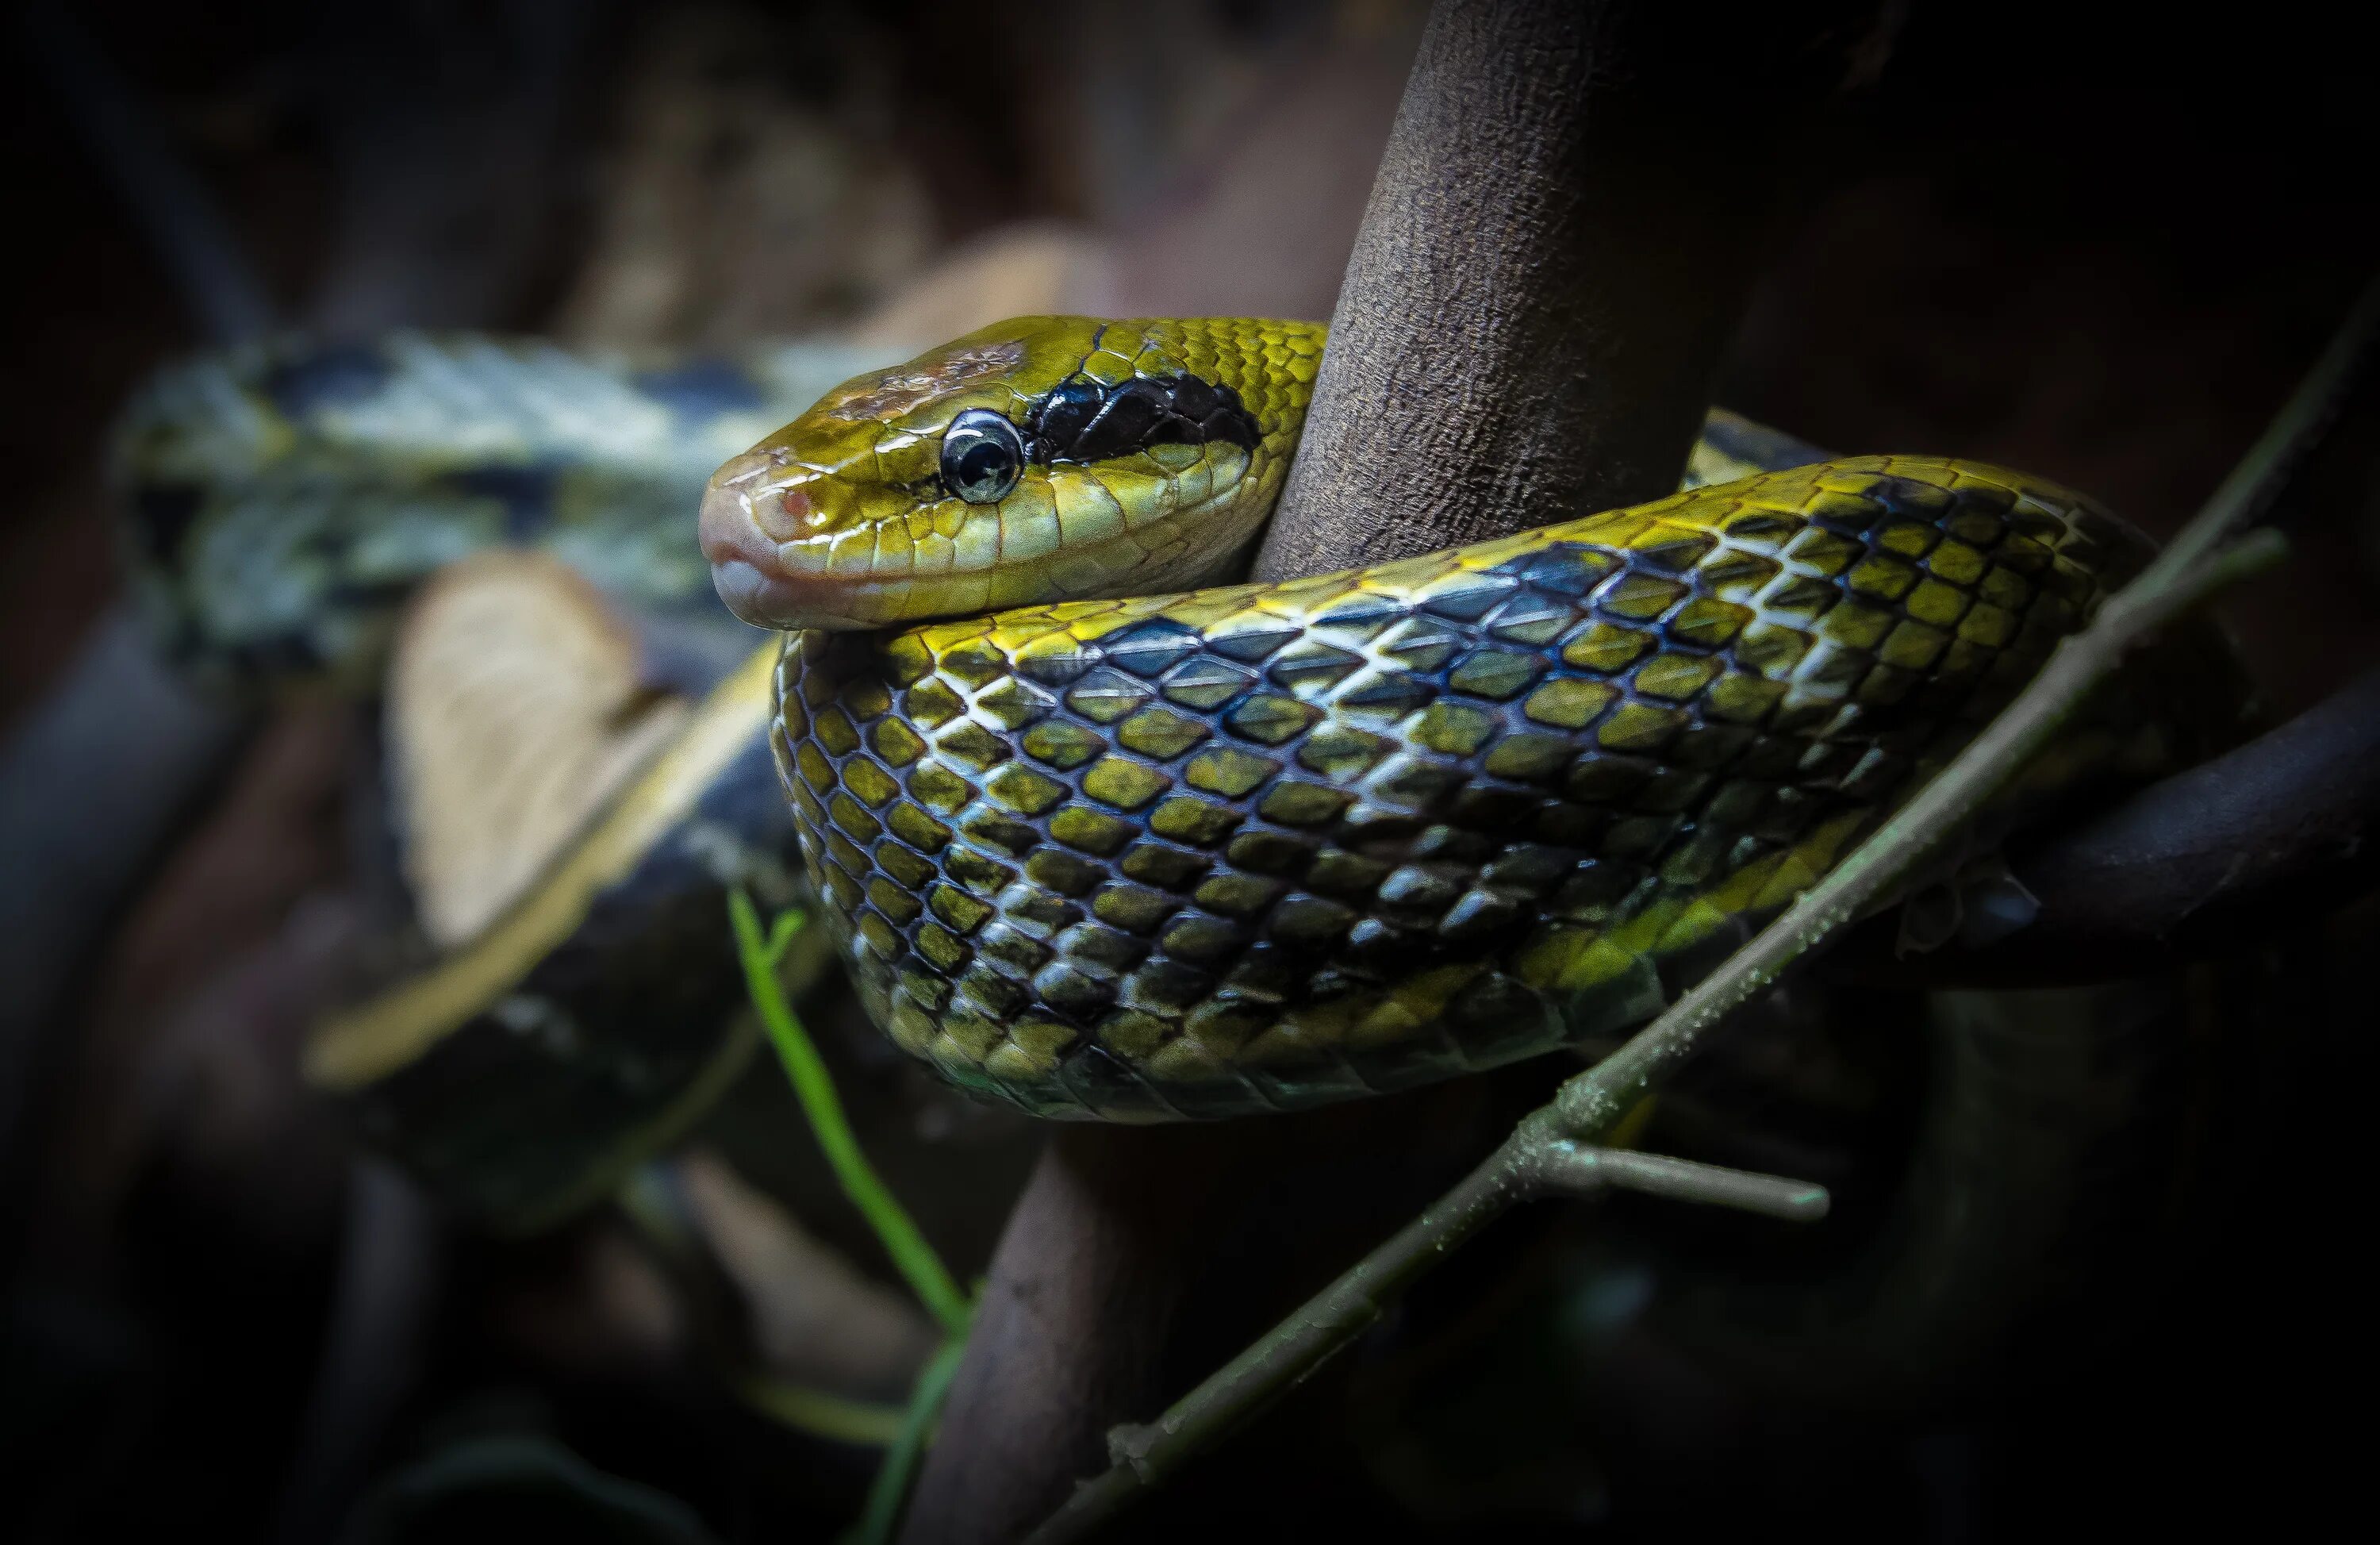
(2062, 237)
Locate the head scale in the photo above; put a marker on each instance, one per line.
(1046, 458)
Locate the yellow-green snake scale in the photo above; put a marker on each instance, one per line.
(1149, 856)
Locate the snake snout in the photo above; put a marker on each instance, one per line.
(747, 519)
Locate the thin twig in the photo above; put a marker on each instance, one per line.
(1590, 1104)
(915, 1260)
(2258, 476)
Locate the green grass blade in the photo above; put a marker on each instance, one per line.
(912, 1256)
(892, 1484)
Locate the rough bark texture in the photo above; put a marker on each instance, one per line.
(1089, 1261)
(1139, 1259)
(1562, 234)
(1573, 205)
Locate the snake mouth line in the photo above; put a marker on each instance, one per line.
(764, 597)
(755, 580)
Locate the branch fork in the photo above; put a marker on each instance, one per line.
(1563, 1166)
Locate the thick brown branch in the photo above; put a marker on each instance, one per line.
(1083, 1290)
(1571, 208)
(2182, 857)
(2224, 854)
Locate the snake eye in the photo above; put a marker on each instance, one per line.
(983, 455)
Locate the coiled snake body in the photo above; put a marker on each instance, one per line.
(1138, 857)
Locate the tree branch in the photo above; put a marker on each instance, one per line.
(2231, 850)
(1559, 243)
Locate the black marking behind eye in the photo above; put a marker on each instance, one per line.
(1061, 417)
(1080, 420)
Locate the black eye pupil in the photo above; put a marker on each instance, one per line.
(981, 457)
(983, 463)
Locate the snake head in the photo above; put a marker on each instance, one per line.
(1040, 459)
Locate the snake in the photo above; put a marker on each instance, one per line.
(1092, 841)
(1095, 841)
(1103, 844)
(280, 504)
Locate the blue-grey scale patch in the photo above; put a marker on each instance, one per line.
(1148, 650)
(337, 375)
(1741, 439)
(1564, 569)
(701, 388)
(526, 493)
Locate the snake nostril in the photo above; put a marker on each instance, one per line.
(741, 520)
(784, 513)
(748, 532)
(729, 527)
